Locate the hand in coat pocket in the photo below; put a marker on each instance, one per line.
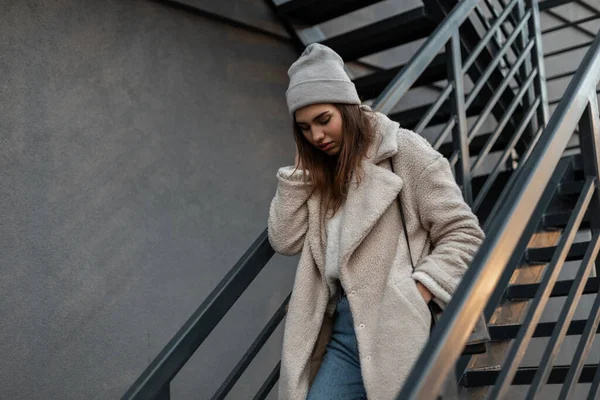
(425, 293)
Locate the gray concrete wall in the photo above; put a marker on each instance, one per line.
(138, 152)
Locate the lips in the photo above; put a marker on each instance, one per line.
(326, 146)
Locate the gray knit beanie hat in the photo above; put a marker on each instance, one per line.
(318, 76)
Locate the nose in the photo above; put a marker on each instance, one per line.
(317, 135)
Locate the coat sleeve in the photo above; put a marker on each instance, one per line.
(288, 214)
(453, 229)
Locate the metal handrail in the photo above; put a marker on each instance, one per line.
(506, 227)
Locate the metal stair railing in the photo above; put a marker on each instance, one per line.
(579, 107)
(523, 43)
(154, 382)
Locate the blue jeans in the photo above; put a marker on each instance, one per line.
(339, 376)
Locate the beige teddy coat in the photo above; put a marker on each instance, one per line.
(391, 318)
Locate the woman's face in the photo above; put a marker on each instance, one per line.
(321, 125)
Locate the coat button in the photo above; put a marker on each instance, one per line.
(362, 325)
(368, 358)
(353, 292)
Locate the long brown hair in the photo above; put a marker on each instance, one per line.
(331, 175)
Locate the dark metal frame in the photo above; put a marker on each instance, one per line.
(578, 106)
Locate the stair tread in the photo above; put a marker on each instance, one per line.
(503, 332)
(524, 375)
(314, 12)
(382, 35)
(561, 288)
(561, 218)
(544, 254)
(568, 188)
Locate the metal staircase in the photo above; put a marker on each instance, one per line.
(479, 72)
(559, 198)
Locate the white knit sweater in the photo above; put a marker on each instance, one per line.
(332, 253)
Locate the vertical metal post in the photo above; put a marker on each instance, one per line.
(459, 132)
(525, 69)
(535, 30)
(589, 139)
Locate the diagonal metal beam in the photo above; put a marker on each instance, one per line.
(570, 24)
(588, 7)
(566, 21)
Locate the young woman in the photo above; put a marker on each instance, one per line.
(358, 316)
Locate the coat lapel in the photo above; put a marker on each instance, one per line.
(365, 205)
(378, 188)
